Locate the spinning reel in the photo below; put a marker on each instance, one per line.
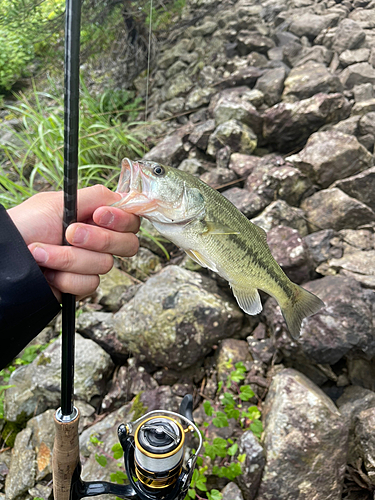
(154, 449)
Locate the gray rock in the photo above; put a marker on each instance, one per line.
(271, 84)
(307, 460)
(22, 471)
(349, 35)
(207, 28)
(254, 97)
(218, 177)
(199, 97)
(253, 466)
(349, 57)
(142, 265)
(244, 76)
(365, 18)
(201, 133)
(37, 385)
(308, 79)
(358, 265)
(320, 246)
(238, 136)
(350, 126)
(112, 286)
(231, 492)
(361, 187)
(43, 435)
(160, 398)
(178, 52)
(357, 74)
(41, 491)
(232, 108)
(248, 203)
(288, 125)
(230, 351)
(342, 327)
(279, 213)
(249, 41)
(332, 208)
(169, 151)
(317, 53)
(192, 166)
(176, 67)
(243, 165)
(170, 108)
(365, 427)
(127, 382)
(310, 25)
(329, 156)
(291, 253)
(178, 86)
(175, 318)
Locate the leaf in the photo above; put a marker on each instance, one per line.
(214, 495)
(101, 459)
(241, 458)
(191, 493)
(220, 420)
(257, 428)
(208, 408)
(246, 393)
(232, 450)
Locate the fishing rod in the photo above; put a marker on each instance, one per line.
(153, 445)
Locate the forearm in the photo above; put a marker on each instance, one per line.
(27, 303)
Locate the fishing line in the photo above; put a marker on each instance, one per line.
(148, 60)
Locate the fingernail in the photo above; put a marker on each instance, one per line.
(40, 255)
(49, 275)
(80, 235)
(106, 219)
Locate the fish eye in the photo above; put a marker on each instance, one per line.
(158, 170)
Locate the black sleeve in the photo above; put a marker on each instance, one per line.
(27, 303)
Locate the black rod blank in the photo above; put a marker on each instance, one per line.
(71, 129)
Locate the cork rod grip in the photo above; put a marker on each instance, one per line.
(65, 457)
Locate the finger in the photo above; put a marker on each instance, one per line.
(89, 199)
(99, 239)
(71, 259)
(76, 284)
(116, 219)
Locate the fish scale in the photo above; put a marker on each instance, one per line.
(214, 233)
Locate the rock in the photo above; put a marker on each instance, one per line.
(231, 492)
(271, 84)
(142, 265)
(364, 431)
(199, 137)
(360, 186)
(232, 108)
(43, 435)
(127, 382)
(364, 17)
(169, 151)
(342, 327)
(332, 208)
(291, 253)
(249, 41)
(279, 213)
(21, 476)
(175, 318)
(41, 491)
(192, 166)
(308, 79)
(254, 97)
(357, 74)
(207, 28)
(243, 165)
(218, 177)
(249, 204)
(288, 125)
(349, 57)
(358, 265)
(310, 25)
(320, 246)
(199, 97)
(238, 136)
(329, 156)
(178, 52)
(363, 92)
(170, 108)
(230, 351)
(112, 286)
(160, 398)
(317, 53)
(349, 35)
(244, 76)
(307, 460)
(253, 466)
(37, 385)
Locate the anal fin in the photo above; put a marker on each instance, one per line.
(248, 299)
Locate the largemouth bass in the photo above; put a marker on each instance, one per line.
(215, 234)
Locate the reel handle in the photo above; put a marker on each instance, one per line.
(186, 407)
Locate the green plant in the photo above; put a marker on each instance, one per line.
(38, 164)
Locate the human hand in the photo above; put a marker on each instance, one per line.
(101, 232)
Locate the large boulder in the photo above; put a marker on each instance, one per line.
(305, 441)
(175, 319)
(360, 186)
(329, 156)
(236, 135)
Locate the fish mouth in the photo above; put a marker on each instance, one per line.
(134, 187)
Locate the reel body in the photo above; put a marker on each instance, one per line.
(154, 449)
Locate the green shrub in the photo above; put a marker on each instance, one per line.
(15, 54)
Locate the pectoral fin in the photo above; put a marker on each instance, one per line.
(248, 299)
(217, 228)
(201, 260)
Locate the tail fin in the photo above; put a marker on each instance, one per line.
(304, 304)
